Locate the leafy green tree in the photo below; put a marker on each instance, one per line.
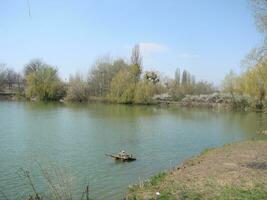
(44, 84)
(123, 87)
(252, 82)
(144, 92)
(256, 81)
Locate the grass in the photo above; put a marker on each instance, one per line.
(157, 178)
(220, 173)
(258, 192)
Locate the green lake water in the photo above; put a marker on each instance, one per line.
(76, 138)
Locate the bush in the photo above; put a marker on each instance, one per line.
(144, 92)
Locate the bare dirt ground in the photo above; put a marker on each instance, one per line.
(235, 171)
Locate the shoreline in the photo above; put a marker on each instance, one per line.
(233, 171)
(208, 106)
(214, 101)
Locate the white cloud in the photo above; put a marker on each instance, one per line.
(152, 48)
(188, 56)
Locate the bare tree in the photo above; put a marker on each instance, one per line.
(33, 66)
(19, 81)
(102, 73)
(11, 77)
(78, 89)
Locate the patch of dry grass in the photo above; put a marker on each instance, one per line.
(235, 171)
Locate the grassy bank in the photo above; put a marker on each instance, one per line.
(235, 171)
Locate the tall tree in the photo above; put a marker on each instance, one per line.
(177, 76)
(136, 61)
(184, 78)
(259, 8)
(136, 58)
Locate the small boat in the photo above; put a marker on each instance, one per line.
(122, 156)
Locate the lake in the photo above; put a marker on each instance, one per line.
(75, 138)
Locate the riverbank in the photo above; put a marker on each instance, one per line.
(224, 101)
(215, 101)
(235, 171)
(7, 95)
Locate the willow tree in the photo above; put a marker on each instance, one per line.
(259, 9)
(123, 87)
(256, 81)
(44, 84)
(144, 92)
(252, 82)
(230, 83)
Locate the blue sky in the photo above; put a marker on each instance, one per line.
(207, 37)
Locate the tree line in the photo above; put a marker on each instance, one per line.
(10, 78)
(111, 80)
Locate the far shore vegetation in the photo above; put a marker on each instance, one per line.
(119, 81)
(112, 80)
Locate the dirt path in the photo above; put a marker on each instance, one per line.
(235, 171)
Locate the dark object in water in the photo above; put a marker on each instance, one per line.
(122, 156)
